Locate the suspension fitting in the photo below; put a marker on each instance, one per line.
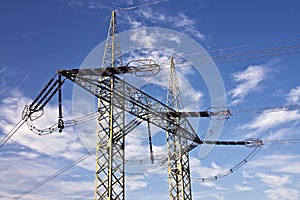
(253, 142)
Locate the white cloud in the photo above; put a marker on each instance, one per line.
(78, 3)
(271, 119)
(91, 5)
(17, 178)
(278, 172)
(136, 182)
(191, 98)
(274, 180)
(137, 155)
(280, 134)
(5, 74)
(282, 193)
(36, 153)
(292, 168)
(3, 69)
(198, 172)
(29, 155)
(248, 81)
(154, 39)
(219, 197)
(135, 24)
(243, 188)
(294, 95)
(73, 186)
(279, 122)
(278, 163)
(54, 144)
(179, 21)
(145, 39)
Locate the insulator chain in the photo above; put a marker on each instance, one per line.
(219, 113)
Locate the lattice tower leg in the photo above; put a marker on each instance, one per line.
(178, 166)
(110, 153)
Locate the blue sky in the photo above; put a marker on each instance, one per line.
(39, 37)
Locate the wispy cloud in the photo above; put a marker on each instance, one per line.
(181, 21)
(219, 197)
(200, 171)
(247, 81)
(243, 188)
(56, 145)
(278, 172)
(271, 119)
(274, 180)
(148, 41)
(282, 193)
(16, 178)
(279, 122)
(136, 182)
(76, 3)
(278, 163)
(294, 95)
(92, 5)
(153, 39)
(40, 155)
(3, 69)
(5, 74)
(277, 189)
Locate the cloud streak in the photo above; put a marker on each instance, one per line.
(180, 21)
(278, 173)
(293, 96)
(248, 81)
(270, 119)
(40, 156)
(280, 122)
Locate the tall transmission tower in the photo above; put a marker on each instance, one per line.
(109, 151)
(115, 98)
(178, 158)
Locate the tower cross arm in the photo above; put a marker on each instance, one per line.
(140, 67)
(136, 102)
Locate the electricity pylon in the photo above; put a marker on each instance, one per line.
(117, 97)
(113, 102)
(109, 151)
(178, 158)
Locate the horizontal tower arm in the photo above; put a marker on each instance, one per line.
(137, 102)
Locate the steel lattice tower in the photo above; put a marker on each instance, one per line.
(115, 97)
(178, 158)
(112, 104)
(110, 151)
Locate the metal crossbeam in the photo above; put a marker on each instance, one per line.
(136, 102)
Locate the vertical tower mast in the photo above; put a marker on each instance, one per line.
(112, 53)
(109, 151)
(178, 158)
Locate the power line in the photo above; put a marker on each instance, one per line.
(287, 141)
(248, 45)
(52, 176)
(138, 6)
(231, 170)
(238, 56)
(268, 109)
(12, 132)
